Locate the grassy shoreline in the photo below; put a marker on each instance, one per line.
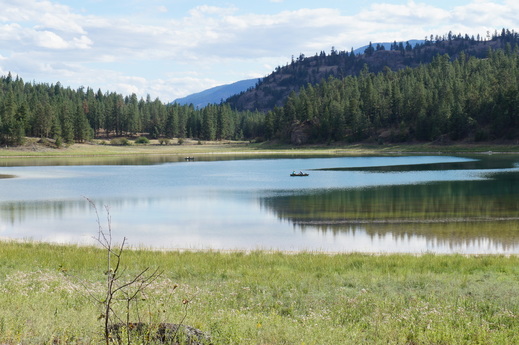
(268, 298)
(96, 149)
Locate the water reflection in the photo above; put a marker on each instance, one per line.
(364, 204)
(496, 162)
(449, 216)
(496, 197)
(460, 237)
(134, 159)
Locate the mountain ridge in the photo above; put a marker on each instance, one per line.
(217, 94)
(274, 89)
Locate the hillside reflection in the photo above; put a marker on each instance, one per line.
(477, 162)
(19, 211)
(453, 213)
(501, 236)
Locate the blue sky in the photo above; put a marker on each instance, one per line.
(170, 49)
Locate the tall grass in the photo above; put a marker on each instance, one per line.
(268, 298)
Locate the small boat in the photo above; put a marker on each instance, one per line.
(298, 174)
(189, 158)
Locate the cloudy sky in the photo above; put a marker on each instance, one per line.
(170, 49)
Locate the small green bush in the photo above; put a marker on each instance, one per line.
(120, 142)
(142, 140)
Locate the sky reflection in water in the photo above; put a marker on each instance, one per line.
(411, 204)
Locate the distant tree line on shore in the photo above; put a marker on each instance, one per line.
(68, 116)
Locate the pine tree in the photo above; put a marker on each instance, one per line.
(208, 123)
(82, 131)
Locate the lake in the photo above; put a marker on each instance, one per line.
(376, 204)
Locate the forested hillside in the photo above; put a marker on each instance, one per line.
(302, 70)
(66, 115)
(467, 97)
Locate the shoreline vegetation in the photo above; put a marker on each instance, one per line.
(262, 297)
(97, 148)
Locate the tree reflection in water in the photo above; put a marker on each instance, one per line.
(452, 213)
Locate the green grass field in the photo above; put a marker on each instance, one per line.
(266, 298)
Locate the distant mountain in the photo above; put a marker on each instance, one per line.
(216, 94)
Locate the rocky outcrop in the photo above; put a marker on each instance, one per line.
(300, 133)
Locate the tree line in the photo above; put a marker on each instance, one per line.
(447, 98)
(68, 116)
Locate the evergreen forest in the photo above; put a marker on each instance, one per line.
(448, 88)
(444, 100)
(68, 116)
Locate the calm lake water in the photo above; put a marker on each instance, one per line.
(411, 204)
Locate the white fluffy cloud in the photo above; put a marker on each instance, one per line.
(167, 55)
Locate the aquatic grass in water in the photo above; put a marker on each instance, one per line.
(269, 298)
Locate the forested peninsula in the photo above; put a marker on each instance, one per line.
(451, 88)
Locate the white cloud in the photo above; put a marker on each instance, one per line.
(10, 32)
(42, 14)
(485, 13)
(203, 10)
(82, 42)
(153, 52)
(404, 14)
(48, 39)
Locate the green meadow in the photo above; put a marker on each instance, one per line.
(48, 295)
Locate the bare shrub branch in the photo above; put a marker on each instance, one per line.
(129, 290)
